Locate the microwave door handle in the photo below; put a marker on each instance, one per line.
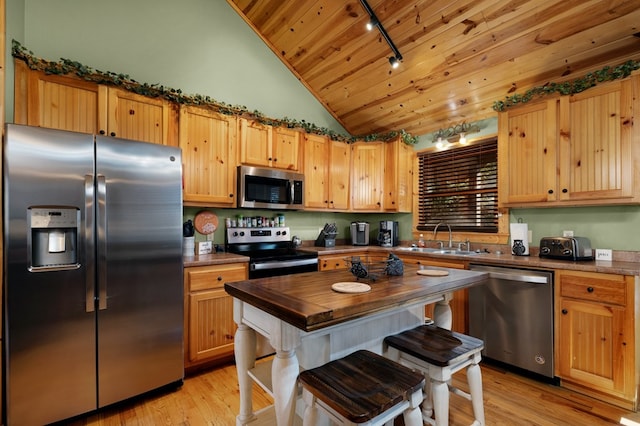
(291, 192)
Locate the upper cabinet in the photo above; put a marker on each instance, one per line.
(572, 150)
(265, 146)
(69, 103)
(367, 176)
(326, 171)
(398, 177)
(208, 141)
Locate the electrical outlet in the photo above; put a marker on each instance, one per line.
(604, 254)
(567, 233)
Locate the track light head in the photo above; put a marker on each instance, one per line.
(372, 24)
(395, 62)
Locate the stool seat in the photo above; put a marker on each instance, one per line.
(438, 354)
(435, 345)
(361, 387)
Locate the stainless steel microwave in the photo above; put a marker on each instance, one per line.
(264, 188)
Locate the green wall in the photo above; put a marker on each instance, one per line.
(203, 47)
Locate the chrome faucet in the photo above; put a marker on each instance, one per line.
(435, 232)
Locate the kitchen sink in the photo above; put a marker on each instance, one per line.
(443, 251)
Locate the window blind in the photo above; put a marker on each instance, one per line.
(459, 186)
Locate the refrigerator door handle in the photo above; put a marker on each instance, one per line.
(90, 282)
(102, 240)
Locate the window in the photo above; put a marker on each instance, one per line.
(459, 186)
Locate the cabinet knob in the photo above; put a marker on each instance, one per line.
(565, 312)
(113, 134)
(590, 289)
(551, 191)
(219, 277)
(565, 190)
(102, 132)
(230, 195)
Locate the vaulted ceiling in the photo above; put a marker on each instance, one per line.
(459, 56)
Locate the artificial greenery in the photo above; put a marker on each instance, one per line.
(123, 81)
(570, 87)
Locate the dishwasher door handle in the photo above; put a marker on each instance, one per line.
(521, 277)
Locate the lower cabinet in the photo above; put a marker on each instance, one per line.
(208, 325)
(595, 335)
(460, 301)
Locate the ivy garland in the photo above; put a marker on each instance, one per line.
(570, 87)
(123, 81)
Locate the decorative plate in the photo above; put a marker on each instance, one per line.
(206, 222)
(433, 272)
(350, 287)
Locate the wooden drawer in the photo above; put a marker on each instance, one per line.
(330, 263)
(210, 277)
(596, 287)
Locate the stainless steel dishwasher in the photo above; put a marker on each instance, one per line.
(513, 314)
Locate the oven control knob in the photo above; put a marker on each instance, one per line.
(284, 232)
(235, 233)
(277, 232)
(242, 233)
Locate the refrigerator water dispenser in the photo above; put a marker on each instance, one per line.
(53, 238)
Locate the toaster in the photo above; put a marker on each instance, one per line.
(566, 248)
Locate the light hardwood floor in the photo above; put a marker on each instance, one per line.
(211, 398)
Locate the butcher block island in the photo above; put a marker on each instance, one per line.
(309, 323)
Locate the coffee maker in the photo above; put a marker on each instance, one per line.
(388, 233)
(360, 233)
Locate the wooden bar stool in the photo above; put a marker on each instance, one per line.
(362, 388)
(438, 354)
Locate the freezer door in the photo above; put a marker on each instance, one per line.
(49, 332)
(139, 269)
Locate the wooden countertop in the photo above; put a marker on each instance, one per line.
(214, 259)
(307, 301)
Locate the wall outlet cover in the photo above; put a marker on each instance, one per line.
(604, 254)
(567, 233)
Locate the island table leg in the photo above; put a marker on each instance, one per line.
(245, 352)
(442, 316)
(284, 375)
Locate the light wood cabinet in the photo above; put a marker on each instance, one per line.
(263, 145)
(398, 177)
(595, 335)
(333, 262)
(208, 141)
(367, 176)
(327, 172)
(73, 104)
(460, 299)
(572, 150)
(209, 327)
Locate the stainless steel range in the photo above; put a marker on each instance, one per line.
(270, 251)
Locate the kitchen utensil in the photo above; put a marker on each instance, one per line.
(296, 241)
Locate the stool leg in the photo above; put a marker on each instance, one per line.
(474, 378)
(412, 416)
(427, 403)
(440, 392)
(311, 411)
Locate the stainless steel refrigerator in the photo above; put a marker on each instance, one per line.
(93, 297)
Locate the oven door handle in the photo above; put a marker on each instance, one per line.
(282, 264)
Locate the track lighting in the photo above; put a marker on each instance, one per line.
(374, 22)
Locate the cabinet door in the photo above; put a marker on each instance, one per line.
(527, 139)
(367, 175)
(255, 143)
(316, 171)
(398, 174)
(209, 326)
(286, 149)
(593, 347)
(208, 142)
(56, 102)
(339, 175)
(596, 143)
(140, 118)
